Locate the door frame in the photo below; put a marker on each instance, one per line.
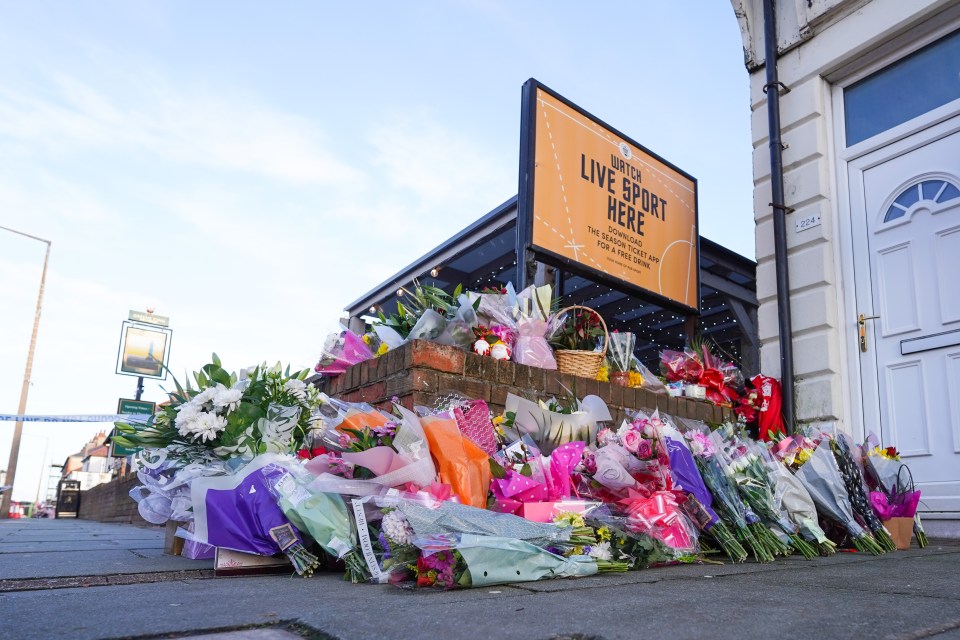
(861, 409)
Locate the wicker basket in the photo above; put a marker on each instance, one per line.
(585, 364)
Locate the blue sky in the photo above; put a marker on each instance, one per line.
(249, 168)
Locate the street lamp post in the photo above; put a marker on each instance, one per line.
(18, 428)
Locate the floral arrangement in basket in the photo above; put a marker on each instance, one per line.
(574, 336)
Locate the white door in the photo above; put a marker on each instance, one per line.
(905, 208)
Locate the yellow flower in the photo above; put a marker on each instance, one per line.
(366, 339)
(803, 455)
(570, 519)
(604, 374)
(603, 534)
(498, 420)
(636, 380)
(382, 349)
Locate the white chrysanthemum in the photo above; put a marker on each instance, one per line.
(296, 388)
(208, 426)
(186, 414)
(396, 528)
(228, 399)
(204, 396)
(601, 551)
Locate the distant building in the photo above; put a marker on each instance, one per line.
(92, 465)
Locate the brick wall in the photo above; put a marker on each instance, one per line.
(419, 372)
(111, 502)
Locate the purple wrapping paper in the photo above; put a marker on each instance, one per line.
(687, 478)
(241, 518)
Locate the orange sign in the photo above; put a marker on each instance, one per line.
(602, 201)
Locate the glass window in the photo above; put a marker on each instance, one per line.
(926, 191)
(949, 193)
(931, 188)
(906, 89)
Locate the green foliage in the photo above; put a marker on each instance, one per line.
(416, 302)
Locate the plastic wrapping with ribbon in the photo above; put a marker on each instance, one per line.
(495, 560)
(517, 489)
(340, 351)
(661, 517)
(239, 511)
(460, 463)
(164, 493)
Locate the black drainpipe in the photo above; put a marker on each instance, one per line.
(780, 210)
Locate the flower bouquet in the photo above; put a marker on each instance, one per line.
(429, 313)
(636, 543)
(226, 420)
(821, 477)
(883, 468)
(342, 350)
(323, 516)
(393, 452)
(760, 488)
(796, 501)
(522, 476)
(620, 356)
(699, 505)
(575, 333)
(853, 479)
(239, 512)
(468, 560)
(531, 309)
(229, 416)
(727, 500)
(460, 462)
(742, 469)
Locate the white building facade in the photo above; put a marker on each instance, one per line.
(871, 128)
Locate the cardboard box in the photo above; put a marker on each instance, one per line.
(236, 563)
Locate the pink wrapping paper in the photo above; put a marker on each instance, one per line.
(660, 517)
(904, 506)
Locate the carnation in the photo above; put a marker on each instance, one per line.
(396, 528)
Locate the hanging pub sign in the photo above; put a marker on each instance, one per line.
(144, 350)
(595, 202)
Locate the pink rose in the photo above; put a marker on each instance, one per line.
(632, 440)
(606, 436)
(644, 450)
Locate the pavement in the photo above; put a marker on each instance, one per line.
(82, 579)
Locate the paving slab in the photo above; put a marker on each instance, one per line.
(905, 595)
(92, 562)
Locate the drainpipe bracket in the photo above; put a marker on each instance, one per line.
(782, 88)
(783, 208)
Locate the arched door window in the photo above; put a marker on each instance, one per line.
(934, 191)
